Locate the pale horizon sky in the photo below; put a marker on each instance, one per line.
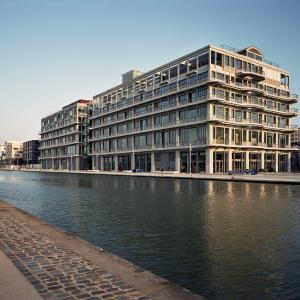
(55, 52)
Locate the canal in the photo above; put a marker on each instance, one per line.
(219, 239)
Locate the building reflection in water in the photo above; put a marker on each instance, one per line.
(220, 239)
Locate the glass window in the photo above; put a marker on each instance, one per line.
(226, 60)
(172, 137)
(238, 64)
(164, 119)
(174, 72)
(203, 60)
(203, 76)
(192, 64)
(213, 57)
(182, 68)
(220, 111)
(202, 133)
(157, 138)
(157, 120)
(192, 79)
(219, 59)
(183, 98)
(202, 111)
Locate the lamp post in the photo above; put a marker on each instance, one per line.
(190, 151)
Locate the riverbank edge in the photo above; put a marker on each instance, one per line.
(281, 178)
(143, 280)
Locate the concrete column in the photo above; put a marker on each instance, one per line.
(247, 164)
(101, 163)
(116, 169)
(230, 167)
(262, 160)
(210, 111)
(94, 162)
(210, 134)
(209, 161)
(177, 137)
(289, 162)
(276, 162)
(152, 162)
(231, 142)
(177, 161)
(132, 161)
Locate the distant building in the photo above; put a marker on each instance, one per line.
(31, 152)
(295, 138)
(64, 138)
(13, 152)
(2, 151)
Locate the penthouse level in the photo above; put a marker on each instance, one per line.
(213, 110)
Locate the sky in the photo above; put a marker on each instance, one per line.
(53, 52)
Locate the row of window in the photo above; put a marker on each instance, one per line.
(68, 139)
(64, 151)
(159, 77)
(194, 113)
(152, 107)
(248, 83)
(239, 98)
(255, 137)
(191, 80)
(222, 60)
(239, 115)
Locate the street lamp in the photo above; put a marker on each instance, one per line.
(190, 150)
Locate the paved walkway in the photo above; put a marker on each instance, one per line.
(12, 284)
(61, 266)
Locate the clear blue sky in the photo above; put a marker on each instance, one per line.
(56, 51)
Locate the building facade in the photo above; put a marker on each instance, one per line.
(31, 152)
(214, 110)
(2, 151)
(13, 152)
(64, 138)
(295, 138)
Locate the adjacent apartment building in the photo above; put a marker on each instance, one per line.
(31, 152)
(13, 152)
(213, 110)
(64, 138)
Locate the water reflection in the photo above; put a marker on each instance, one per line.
(220, 239)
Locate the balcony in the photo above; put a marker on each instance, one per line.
(293, 98)
(251, 73)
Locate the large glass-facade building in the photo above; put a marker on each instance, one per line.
(214, 110)
(64, 138)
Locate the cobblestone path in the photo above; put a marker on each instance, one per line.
(57, 272)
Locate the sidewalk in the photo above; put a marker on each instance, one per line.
(13, 284)
(61, 266)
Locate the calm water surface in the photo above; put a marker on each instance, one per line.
(220, 239)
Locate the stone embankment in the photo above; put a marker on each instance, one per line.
(40, 261)
(285, 178)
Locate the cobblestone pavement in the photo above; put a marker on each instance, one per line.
(57, 272)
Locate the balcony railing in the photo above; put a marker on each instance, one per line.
(132, 102)
(252, 72)
(58, 125)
